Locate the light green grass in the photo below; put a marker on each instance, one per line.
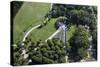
(30, 14)
(44, 32)
(70, 32)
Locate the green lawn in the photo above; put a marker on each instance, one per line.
(44, 32)
(30, 14)
(70, 33)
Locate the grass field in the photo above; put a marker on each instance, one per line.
(30, 14)
(44, 32)
(70, 32)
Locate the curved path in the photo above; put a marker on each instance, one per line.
(33, 28)
(24, 51)
(27, 33)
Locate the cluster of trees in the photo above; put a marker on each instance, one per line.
(41, 53)
(79, 15)
(18, 59)
(79, 45)
(58, 10)
(76, 14)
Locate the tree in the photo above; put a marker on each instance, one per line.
(79, 44)
(19, 60)
(37, 59)
(80, 17)
(50, 43)
(47, 53)
(58, 10)
(82, 53)
(47, 60)
(81, 37)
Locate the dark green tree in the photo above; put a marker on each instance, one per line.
(79, 44)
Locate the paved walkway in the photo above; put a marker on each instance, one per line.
(53, 34)
(61, 35)
(33, 28)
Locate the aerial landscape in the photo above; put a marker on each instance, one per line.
(52, 33)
